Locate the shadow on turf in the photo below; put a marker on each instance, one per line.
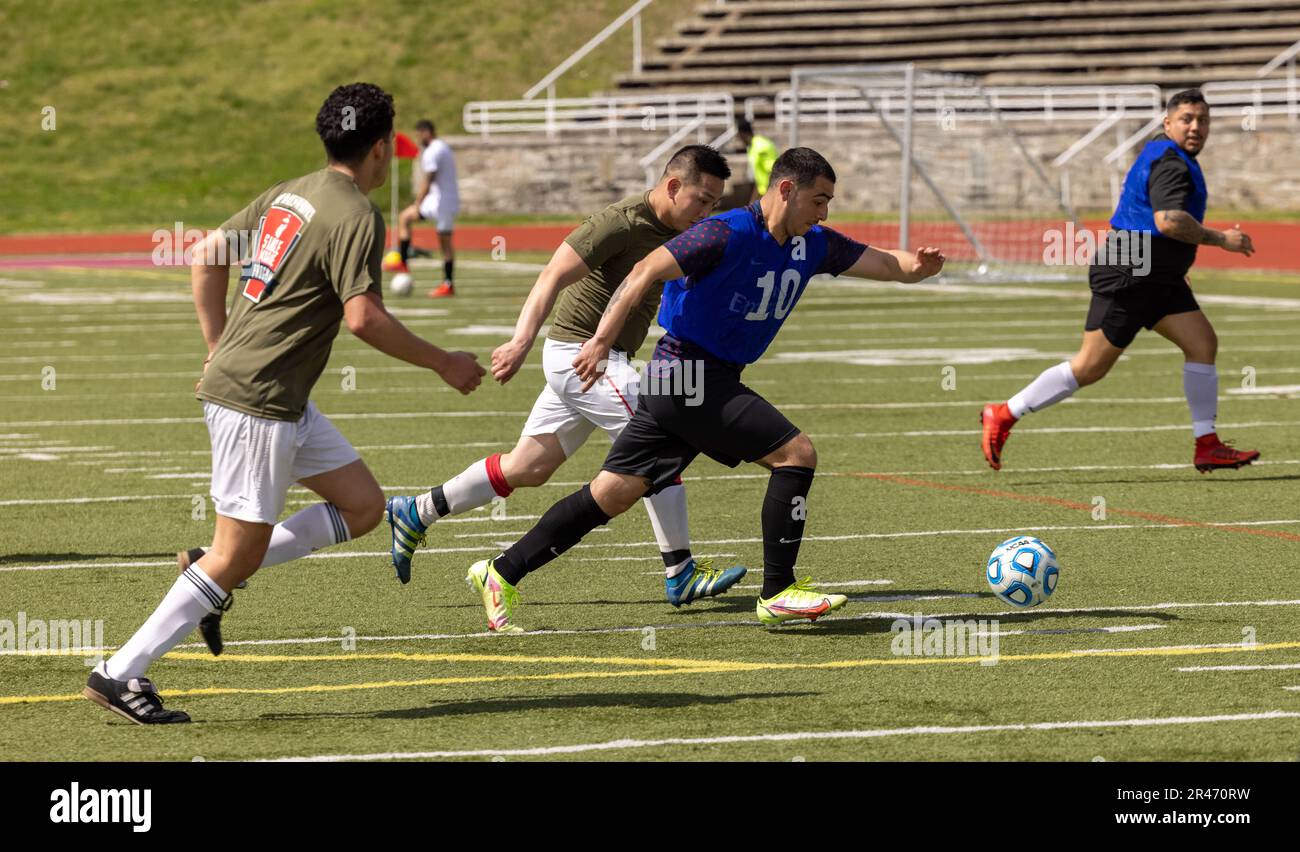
(39, 558)
(716, 604)
(577, 701)
(1041, 619)
(735, 602)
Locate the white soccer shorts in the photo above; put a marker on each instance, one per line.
(564, 410)
(256, 460)
(434, 210)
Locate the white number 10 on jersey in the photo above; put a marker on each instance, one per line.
(784, 299)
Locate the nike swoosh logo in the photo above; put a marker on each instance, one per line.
(820, 608)
(554, 551)
(792, 541)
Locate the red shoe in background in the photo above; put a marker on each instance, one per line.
(1213, 454)
(997, 422)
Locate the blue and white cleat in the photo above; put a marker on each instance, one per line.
(407, 534)
(699, 579)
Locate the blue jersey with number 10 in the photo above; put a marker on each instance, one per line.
(741, 284)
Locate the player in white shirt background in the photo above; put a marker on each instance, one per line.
(438, 201)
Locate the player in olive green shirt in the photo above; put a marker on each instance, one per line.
(584, 273)
(314, 247)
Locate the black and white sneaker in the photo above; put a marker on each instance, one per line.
(136, 699)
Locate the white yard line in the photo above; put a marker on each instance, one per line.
(801, 736)
(1048, 430)
(1274, 667)
(352, 554)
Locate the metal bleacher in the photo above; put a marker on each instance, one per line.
(748, 47)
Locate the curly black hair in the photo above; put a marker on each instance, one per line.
(352, 119)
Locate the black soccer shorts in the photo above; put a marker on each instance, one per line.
(1121, 315)
(730, 424)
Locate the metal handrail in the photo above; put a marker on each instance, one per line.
(1276, 62)
(633, 14)
(1015, 103)
(649, 113)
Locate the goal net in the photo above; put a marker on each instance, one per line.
(938, 159)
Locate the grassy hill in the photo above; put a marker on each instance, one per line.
(187, 110)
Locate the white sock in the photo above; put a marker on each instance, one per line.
(191, 597)
(1201, 387)
(317, 526)
(1052, 385)
(667, 511)
(469, 489)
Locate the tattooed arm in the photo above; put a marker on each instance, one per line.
(659, 265)
(1182, 226)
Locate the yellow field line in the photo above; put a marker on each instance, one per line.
(385, 684)
(719, 667)
(435, 658)
(737, 665)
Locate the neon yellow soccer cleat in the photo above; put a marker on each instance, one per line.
(797, 602)
(499, 597)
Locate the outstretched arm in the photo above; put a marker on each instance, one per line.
(564, 268)
(659, 265)
(896, 265)
(369, 320)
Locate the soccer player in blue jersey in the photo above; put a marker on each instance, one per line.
(731, 282)
(1162, 205)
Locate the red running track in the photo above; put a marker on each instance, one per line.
(1277, 243)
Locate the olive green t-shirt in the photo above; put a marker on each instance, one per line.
(610, 243)
(312, 243)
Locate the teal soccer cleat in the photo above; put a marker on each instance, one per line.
(407, 532)
(700, 580)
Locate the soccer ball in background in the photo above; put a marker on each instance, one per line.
(401, 284)
(1022, 571)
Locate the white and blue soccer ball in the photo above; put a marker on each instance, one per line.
(1022, 571)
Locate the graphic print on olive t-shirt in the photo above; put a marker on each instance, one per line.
(277, 234)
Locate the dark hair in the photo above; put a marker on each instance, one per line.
(801, 165)
(425, 124)
(743, 127)
(352, 119)
(1188, 96)
(695, 160)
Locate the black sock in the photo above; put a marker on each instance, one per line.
(405, 248)
(439, 501)
(448, 270)
(563, 526)
(673, 558)
(784, 510)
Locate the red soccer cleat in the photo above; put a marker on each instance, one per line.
(446, 288)
(997, 422)
(1213, 454)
